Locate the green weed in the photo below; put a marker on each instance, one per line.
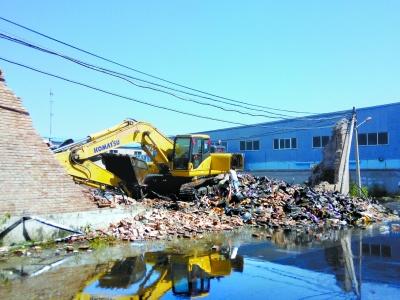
(354, 190)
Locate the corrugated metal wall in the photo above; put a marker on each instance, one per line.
(385, 118)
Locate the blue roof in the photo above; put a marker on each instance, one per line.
(303, 118)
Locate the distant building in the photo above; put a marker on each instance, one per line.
(132, 150)
(288, 149)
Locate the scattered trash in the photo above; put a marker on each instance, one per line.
(84, 247)
(239, 199)
(395, 227)
(4, 249)
(107, 198)
(384, 228)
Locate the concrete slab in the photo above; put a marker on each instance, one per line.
(95, 219)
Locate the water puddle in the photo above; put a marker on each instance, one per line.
(287, 265)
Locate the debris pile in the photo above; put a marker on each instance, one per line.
(164, 224)
(245, 199)
(107, 198)
(275, 203)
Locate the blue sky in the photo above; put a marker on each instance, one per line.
(316, 56)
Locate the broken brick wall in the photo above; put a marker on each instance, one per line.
(31, 179)
(330, 169)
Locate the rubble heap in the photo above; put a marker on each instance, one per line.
(163, 224)
(107, 198)
(245, 199)
(275, 203)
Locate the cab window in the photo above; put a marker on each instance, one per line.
(207, 146)
(182, 153)
(197, 156)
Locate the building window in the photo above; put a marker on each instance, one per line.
(280, 144)
(249, 145)
(276, 144)
(373, 138)
(325, 140)
(362, 139)
(320, 141)
(377, 250)
(256, 145)
(383, 138)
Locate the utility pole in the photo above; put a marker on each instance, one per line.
(51, 114)
(344, 176)
(357, 154)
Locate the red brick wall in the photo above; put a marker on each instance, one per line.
(31, 180)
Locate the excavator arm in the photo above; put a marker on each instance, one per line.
(177, 167)
(79, 158)
(154, 143)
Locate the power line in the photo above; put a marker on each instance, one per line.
(122, 76)
(118, 95)
(283, 130)
(270, 133)
(126, 97)
(145, 73)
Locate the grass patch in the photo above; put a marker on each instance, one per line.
(101, 242)
(354, 190)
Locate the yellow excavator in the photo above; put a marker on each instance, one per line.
(187, 161)
(153, 275)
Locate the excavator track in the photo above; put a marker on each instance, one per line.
(133, 173)
(195, 189)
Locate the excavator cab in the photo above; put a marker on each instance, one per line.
(194, 282)
(190, 151)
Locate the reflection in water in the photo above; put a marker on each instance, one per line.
(294, 264)
(289, 265)
(362, 262)
(153, 274)
(341, 260)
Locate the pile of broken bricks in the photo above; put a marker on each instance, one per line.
(243, 199)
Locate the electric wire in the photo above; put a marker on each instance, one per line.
(130, 98)
(282, 130)
(118, 95)
(296, 128)
(145, 73)
(270, 133)
(122, 76)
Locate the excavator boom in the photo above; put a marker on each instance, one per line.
(173, 163)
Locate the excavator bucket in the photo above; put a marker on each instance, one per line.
(130, 169)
